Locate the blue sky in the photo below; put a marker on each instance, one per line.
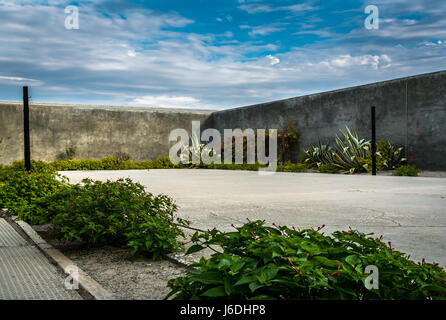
(211, 54)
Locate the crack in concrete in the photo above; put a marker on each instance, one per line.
(381, 215)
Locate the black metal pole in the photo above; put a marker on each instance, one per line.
(373, 142)
(26, 129)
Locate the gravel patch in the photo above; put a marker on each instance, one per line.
(114, 268)
(126, 278)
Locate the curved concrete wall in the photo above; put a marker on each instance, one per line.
(322, 115)
(98, 131)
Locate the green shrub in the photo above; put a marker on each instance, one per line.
(388, 157)
(124, 156)
(353, 155)
(162, 163)
(36, 166)
(119, 213)
(407, 170)
(235, 166)
(351, 152)
(293, 167)
(20, 191)
(318, 155)
(258, 262)
(288, 140)
(328, 168)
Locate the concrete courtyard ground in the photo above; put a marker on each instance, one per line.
(408, 211)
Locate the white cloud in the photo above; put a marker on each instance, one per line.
(142, 60)
(254, 8)
(263, 30)
(20, 81)
(273, 60)
(167, 101)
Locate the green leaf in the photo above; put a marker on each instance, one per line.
(236, 266)
(326, 262)
(224, 263)
(209, 277)
(194, 248)
(254, 286)
(352, 260)
(228, 286)
(215, 292)
(244, 281)
(269, 274)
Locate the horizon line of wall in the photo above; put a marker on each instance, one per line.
(410, 111)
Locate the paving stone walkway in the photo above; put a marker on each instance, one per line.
(25, 273)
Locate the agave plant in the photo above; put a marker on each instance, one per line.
(389, 157)
(196, 150)
(351, 153)
(319, 155)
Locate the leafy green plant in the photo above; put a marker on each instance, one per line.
(195, 150)
(68, 154)
(20, 191)
(289, 140)
(318, 155)
(407, 170)
(293, 167)
(119, 213)
(388, 156)
(351, 152)
(123, 156)
(328, 168)
(288, 137)
(163, 163)
(353, 155)
(260, 262)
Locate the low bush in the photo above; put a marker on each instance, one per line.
(388, 157)
(119, 213)
(288, 140)
(293, 167)
(124, 156)
(107, 163)
(20, 191)
(407, 170)
(329, 168)
(259, 262)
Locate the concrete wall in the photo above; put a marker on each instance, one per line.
(322, 115)
(98, 131)
(95, 131)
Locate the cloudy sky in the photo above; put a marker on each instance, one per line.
(211, 54)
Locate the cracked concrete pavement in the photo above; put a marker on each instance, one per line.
(409, 211)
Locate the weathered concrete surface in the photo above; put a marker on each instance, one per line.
(408, 211)
(320, 116)
(95, 131)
